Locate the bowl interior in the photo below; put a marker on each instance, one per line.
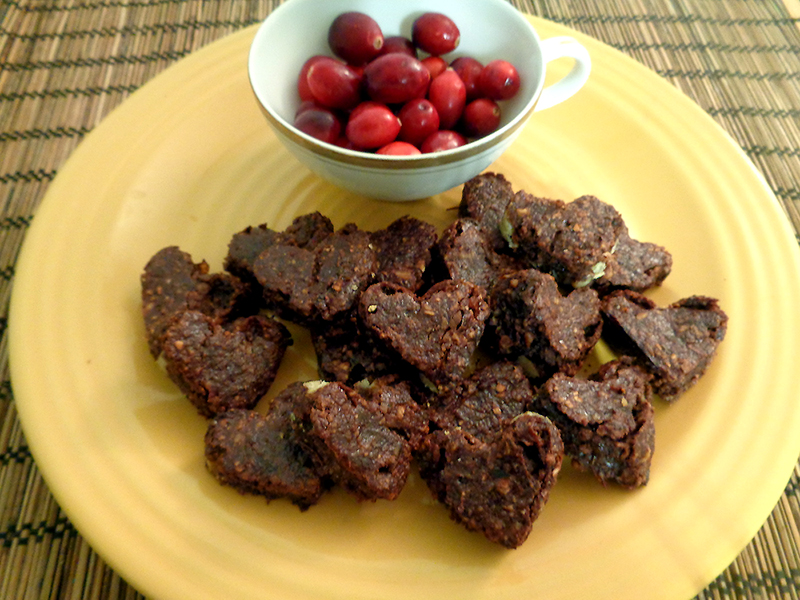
(298, 29)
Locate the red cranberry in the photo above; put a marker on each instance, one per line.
(435, 33)
(355, 37)
(443, 140)
(334, 84)
(481, 117)
(399, 149)
(319, 123)
(448, 94)
(469, 69)
(418, 120)
(372, 125)
(396, 78)
(499, 80)
(399, 43)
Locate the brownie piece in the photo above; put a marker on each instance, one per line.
(436, 333)
(308, 285)
(497, 486)
(259, 454)
(485, 402)
(465, 253)
(634, 265)
(530, 318)
(349, 442)
(391, 398)
(306, 231)
(606, 422)
(348, 351)
(173, 283)
(403, 250)
(220, 367)
(571, 241)
(675, 344)
(484, 199)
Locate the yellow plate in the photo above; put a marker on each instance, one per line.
(188, 160)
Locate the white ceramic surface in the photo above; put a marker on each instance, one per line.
(490, 29)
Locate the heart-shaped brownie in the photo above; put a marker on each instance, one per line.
(437, 333)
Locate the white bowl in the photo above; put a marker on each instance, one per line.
(490, 29)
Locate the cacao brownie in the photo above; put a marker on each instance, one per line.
(484, 199)
(484, 402)
(571, 241)
(634, 265)
(349, 443)
(310, 285)
(436, 333)
(220, 367)
(403, 250)
(259, 454)
(675, 344)
(173, 283)
(392, 399)
(496, 486)
(530, 318)
(465, 253)
(606, 422)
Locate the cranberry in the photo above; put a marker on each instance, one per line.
(469, 69)
(399, 149)
(435, 65)
(448, 94)
(399, 43)
(396, 78)
(302, 78)
(418, 120)
(481, 117)
(435, 33)
(499, 80)
(443, 140)
(319, 123)
(372, 125)
(355, 37)
(334, 84)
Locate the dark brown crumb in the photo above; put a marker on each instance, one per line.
(484, 200)
(634, 265)
(606, 422)
(403, 250)
(223, 367)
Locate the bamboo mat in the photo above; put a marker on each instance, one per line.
(65, 64)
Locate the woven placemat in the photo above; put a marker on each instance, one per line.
(64, 65)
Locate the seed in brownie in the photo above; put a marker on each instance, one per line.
(348, 442)
(530, 318)
(220, 367)
(172, 283)
(572, 241)
(259, 454)
(497, 486)
(484, 199)
(308, 285)
(606, 422)
(675, 344)
(436, 333)
(403, 250)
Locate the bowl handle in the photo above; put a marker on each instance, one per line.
(564, 47)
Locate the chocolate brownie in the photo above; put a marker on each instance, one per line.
(308, 285)
(675, 344)
(466, 253)
(348, 442)
(485, 402)
(306, 231)
(634, 265)
(220, 367)
(391, 398)
(173, 283)
(403, 250)
(571, 241)
(496, 486)
(530, 318)
(436, 333)
(606, 422)
(484, 199)
(259, 454)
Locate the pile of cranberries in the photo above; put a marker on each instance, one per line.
(394, 95)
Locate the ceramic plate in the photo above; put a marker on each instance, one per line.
(188, 161)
